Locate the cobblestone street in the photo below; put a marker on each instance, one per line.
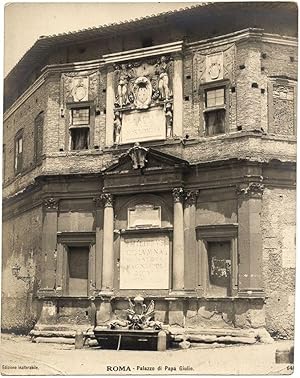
(21, 357)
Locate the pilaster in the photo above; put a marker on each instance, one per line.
(49, 243)
(178, 241)
(108, 243)
(178, 96)
(250, 238)
(190, 243)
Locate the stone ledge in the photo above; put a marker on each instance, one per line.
(224, 336)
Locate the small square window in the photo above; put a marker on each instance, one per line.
(80, 116)
(215, 97)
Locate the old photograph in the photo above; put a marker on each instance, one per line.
(149, 188)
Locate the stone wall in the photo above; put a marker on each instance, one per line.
(22, 246)
(278, 221)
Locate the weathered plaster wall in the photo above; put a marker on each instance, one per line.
(21, 245)
(278, 232)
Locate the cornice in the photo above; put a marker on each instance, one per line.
(29, 92)
(240, 35)
(144, 52)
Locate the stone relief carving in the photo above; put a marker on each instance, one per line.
(178, 194)
(169, 119)
(143, 82)
(283, 92)
(138, 156)
(162, 69)
(253, 189)
(107, 199)
(117, 127)
(78, 87)
(141, 85)
(51, 203)
(191, 196)
(139, 316)
(142, 92)
(214, 66)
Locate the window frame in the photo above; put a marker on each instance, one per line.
(203, 89)
(216, 233)
(90, 126)
(18, 156)
(37, 126)
(75, 239)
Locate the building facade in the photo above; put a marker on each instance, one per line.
(154, 157)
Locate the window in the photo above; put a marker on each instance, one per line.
(77, 270)
(4, 161)
(79, 129)
(217, 273)
(76, 251)
(219, 268)
(80, 116)
(80, 138)
(38, 135)
(19, 152)
(214, 112)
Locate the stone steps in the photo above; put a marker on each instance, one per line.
(223, 336)
(59, 333)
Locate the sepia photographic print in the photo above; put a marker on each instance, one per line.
(149, 188)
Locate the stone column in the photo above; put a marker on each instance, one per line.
(110, 99)
(108, 243)
(250, 239)
(49, 243)
(190, 244)
(178, 241)
(177, 96)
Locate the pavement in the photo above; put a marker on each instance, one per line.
(19, 356)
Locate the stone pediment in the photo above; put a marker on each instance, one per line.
(140, 158)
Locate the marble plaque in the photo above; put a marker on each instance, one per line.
(144, 262)
(139, 126)
(144, 216)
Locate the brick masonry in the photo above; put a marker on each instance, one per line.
(256, 134)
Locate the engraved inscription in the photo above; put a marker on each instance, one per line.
(144, 263)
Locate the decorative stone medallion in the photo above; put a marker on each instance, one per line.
(142, 91)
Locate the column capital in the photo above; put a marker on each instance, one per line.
(98, 202)
(178, 194)
(107, 199)
(190, 196)
(51, 203)
(250, 190)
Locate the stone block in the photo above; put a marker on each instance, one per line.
(104, 313)
(176, 316)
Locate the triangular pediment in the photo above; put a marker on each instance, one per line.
(140, 158)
